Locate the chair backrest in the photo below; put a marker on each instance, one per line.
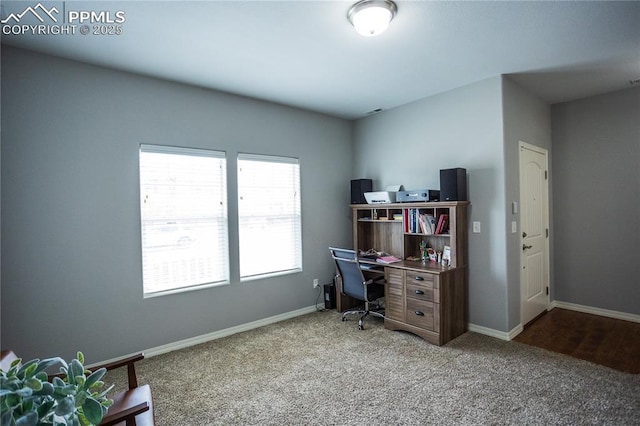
(349, 269)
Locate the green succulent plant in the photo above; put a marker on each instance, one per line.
(75, 397)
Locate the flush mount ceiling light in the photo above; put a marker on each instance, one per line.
(372, 17)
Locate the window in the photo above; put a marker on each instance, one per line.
(183, 209)
(269, 216)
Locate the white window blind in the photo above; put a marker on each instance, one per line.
(184, 225)
(269, 215)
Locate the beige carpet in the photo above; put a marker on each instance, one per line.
(318, 370)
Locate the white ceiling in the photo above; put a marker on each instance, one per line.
(306, 54)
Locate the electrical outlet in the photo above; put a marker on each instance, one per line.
(315, 283)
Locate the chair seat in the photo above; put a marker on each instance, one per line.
(133, 402)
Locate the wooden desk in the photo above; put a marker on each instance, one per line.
(424, 299)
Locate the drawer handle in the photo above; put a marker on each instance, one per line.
(419, 278)
(419, 292)
(420, 314)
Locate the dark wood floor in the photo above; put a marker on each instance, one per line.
(606, 341)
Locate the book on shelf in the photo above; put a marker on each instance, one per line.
(412, 225)
(425, 227)
(416, 222)
(388, 259)
(423, 223)
(432, 224)
(443, 224)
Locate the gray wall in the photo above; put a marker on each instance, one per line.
(409, 145)
(71, 256)
(596, 201)
(71, 262)
(528, 119)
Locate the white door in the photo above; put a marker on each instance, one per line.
(534, 219)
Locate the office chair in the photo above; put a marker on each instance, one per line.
(355, 285)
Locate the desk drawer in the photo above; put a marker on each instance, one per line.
(420, 291)
(420, 277)
(421, 314)
(423, 286)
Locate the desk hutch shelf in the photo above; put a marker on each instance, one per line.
(424, 298)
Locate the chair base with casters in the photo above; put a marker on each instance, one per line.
(375, 311)
(354, 284)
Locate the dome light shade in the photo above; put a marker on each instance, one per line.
(372, 17)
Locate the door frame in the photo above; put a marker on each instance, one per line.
(524, 145)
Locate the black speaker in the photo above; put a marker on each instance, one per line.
(358, 188)
(453, 185)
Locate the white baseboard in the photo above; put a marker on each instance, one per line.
(516, 330)
(502, 335)
(595, 311)
(226, 332)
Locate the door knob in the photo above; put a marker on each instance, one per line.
(524, 247)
